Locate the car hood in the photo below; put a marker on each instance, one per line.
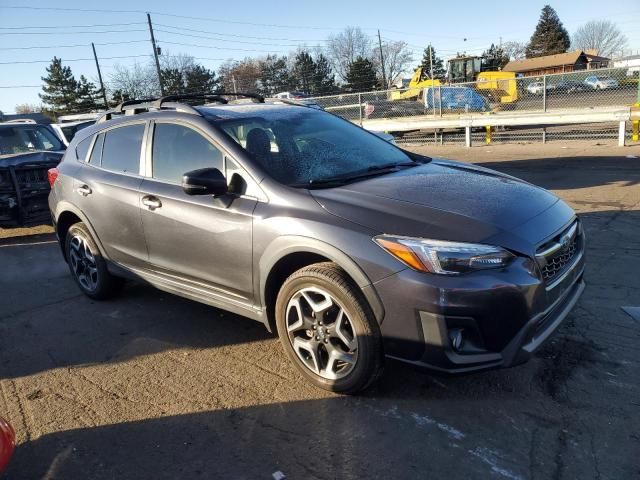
(27, 158)
(450, 201)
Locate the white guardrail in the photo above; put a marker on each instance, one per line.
(468, 121)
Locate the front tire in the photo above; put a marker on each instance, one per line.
(88, 268)
(328, 330)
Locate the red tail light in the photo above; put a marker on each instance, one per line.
(7, 443)
(52, 175)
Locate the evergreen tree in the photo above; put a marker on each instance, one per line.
(361, 76)
(172, 81)
(550, 36)
(275, 76)
(60, 88)
(87, 95)
(201, 79)
(304, 72)
(324, 80)
(494, 58)
(439, 72)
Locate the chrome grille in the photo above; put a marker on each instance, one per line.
(556, 254)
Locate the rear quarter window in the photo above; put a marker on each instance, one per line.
(83, 148)
(121, 149)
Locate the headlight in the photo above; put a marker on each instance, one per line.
(444, 258)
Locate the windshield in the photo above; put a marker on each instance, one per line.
(27, 138)
(301, 146)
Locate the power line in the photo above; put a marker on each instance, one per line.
(20, 86)
(70, 60)
(236, 36)
(236, 41)
(71, 46)
(75, 26)
(71, 33)
(214, 48)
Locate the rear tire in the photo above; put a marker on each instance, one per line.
(88, 268)
(328, 330)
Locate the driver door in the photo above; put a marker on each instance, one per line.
(194, 238)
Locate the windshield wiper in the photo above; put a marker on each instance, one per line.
(369, 172)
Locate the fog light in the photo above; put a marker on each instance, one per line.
(457, 339)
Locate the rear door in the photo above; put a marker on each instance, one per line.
(195, 238)
(106, 191)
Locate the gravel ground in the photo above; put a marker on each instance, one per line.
(155, 386)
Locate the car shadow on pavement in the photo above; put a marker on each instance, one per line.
(565, 414)
(569, 173)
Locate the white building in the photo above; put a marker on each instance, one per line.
(632, 62)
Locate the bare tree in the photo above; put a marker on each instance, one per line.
(137, 81)
(343, 48)
(28, 108)
(515, 50)
(397, 57)
(601, 35)
(241, 76)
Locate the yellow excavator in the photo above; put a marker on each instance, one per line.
(499, 87)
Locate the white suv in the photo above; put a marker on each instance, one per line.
(600, 82)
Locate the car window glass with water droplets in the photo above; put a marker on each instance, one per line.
(299, 145)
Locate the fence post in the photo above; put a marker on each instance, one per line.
(621, 133)
(544, 93)
(440, 99)
(360, 107)
(467, 136)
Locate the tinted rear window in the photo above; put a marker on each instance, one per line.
(121, 150)
(82, 148)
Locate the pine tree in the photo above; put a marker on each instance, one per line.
(87, 94)
(494, 58)
(275, 76)
(304, 71)
(172, 81)
(201, 79)
(550, 36)
(60, 88)
(439, 72)
(324, 80)
(361, 76)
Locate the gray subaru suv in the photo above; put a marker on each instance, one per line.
(348, 247)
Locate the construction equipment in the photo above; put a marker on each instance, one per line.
(416, 86)
(496, 85)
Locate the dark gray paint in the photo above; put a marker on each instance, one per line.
(221, 252)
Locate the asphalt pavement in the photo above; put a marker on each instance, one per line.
(153, 386)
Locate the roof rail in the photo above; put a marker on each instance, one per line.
(217, 96)
(21, 120)
(158, 103)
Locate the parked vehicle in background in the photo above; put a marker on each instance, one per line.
(66, 131)
(535, 88)
(68, 125)
(346, 245)
(294, 95)
(454, 99)
(7, 443)
(600, 82)
(568, 86)
(27, 151)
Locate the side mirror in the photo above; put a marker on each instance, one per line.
(204, 181)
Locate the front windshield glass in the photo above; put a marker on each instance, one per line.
(27, 138)
(300, 146)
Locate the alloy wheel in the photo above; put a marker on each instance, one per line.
(83, 263)
(321, 333)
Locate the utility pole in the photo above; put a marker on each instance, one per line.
(155, 54)
(104, 93)
(384, 77)
(431, 62)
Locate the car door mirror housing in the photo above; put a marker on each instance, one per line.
(204, 181)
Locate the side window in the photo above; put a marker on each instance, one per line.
(121, 150)
(83, 148)
(178, 149)
(96, 153)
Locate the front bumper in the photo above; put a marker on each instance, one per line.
(507, 315)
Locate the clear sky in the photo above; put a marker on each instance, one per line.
(67, 28)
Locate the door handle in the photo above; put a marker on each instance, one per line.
(151, 202)
(84, 190)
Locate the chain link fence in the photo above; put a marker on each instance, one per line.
(546, 93)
